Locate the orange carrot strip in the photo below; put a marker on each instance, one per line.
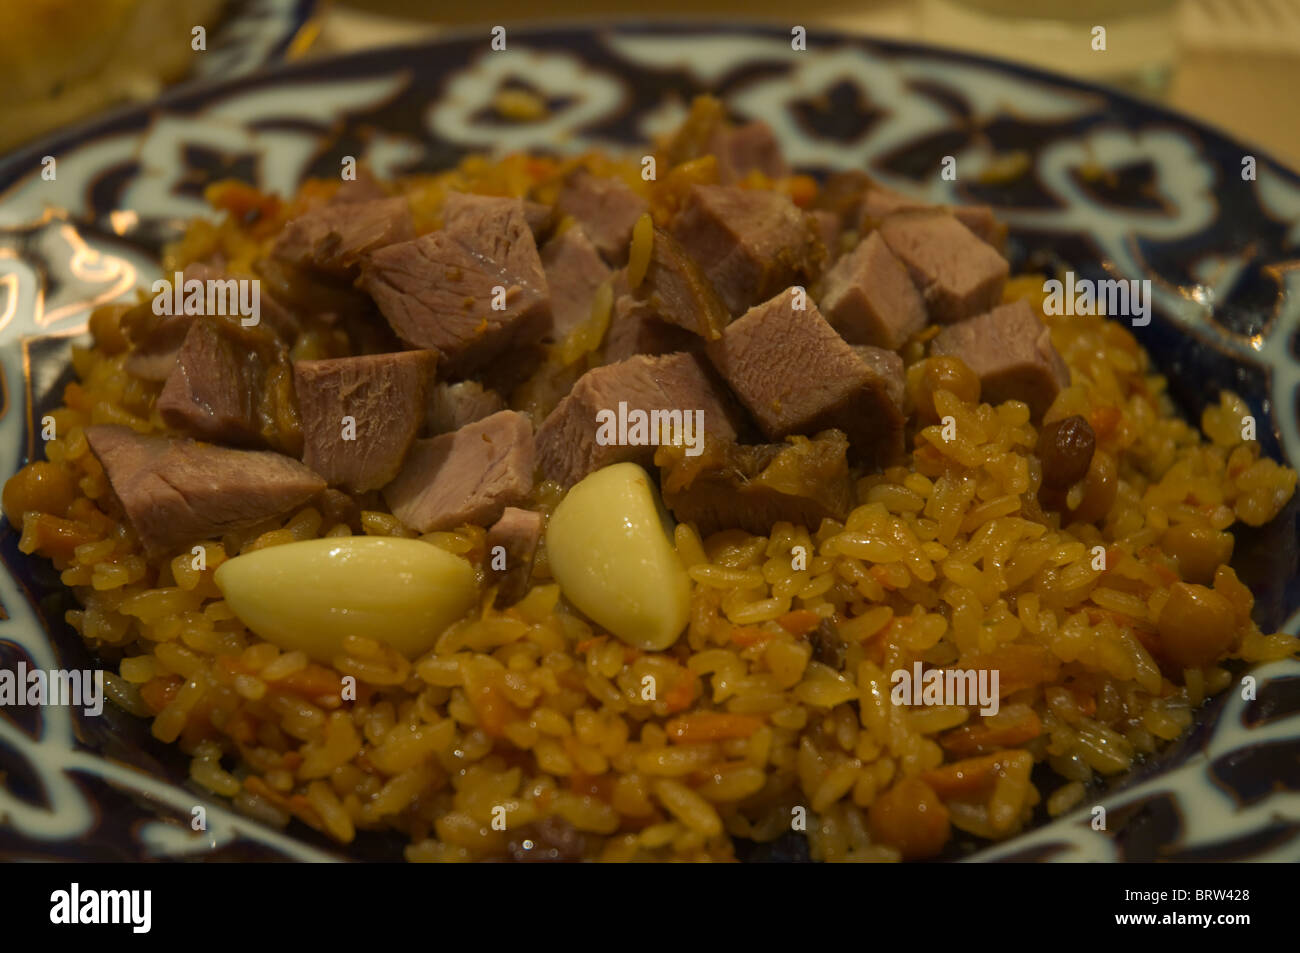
(704, 726)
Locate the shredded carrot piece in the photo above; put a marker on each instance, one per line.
(799, 622)
(1104, 420)
(711, 726)
(747, 635)
(969, 740)
(967, 778)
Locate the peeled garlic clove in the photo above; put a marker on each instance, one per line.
(609, 548)
(309, 595)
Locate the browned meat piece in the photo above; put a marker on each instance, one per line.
(511, 566)
(176, 492)
(958, 274)
(364, 188)
(879, 202)
(1011, 352)
(360, 415)
(677, 291)
(334, 238)
(574, 270)
(634, 328)
(452, 406)
(231, 385)
(750, 243)
(469, 476)
(437, 291)
(605, 208)
(798, 376)
(538, 216)
(156, 339)
(802, 481)
(869, 298)
(748, 148)
(826, 226)
(568, 442)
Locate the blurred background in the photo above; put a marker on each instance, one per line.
(1233, 63)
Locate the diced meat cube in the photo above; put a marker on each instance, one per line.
(869, 297)
(958, 274)
(334, 238)
(748, 148)
(364, 188)
(452, 406)
(229, 384)
(980, 220)
(826, 226)
(437, 291)
(469, 476)
(568, 447)
(798, 376)
(634, 328)
(538, 216)
(1011, 352)
(516, 534)
(360, 415)
(176, 492)
(156, 339)
(750, 243)
(842, 195)
(574, 270)
(734, 486)
(879, 202)
(677, 291)
(606, 209)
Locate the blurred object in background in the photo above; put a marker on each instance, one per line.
(64, 60)
(1127, 43)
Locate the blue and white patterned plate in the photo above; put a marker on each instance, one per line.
(1222, 252)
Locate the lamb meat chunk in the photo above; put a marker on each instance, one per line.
(517, 532)
(750, 243)
(364, 188)
(335, 238)
(606, 208)
(567, 444)
(802, 481)
(879, 203)
(383, 394)
(468, 476)
(678, 292)
(798, 376)
(634, 328)
(539, 217)
(156, 339)
(869, 298)
(747, 148)
(452, 406)
(437, 290)
(826, 226)
(574, 270)
(958, 274)
(176, 492)
(231, 385)
(1011, 352)
(842, 195)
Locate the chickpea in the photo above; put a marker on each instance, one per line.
(940, 373)
(910, 817)
(1196, 626)
(1198, 549)
(106, 328)
(40, 486)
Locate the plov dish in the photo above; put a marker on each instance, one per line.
(546, 512)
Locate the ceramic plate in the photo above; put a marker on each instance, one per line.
(1222, 251)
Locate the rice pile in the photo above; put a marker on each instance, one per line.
(760, 717)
